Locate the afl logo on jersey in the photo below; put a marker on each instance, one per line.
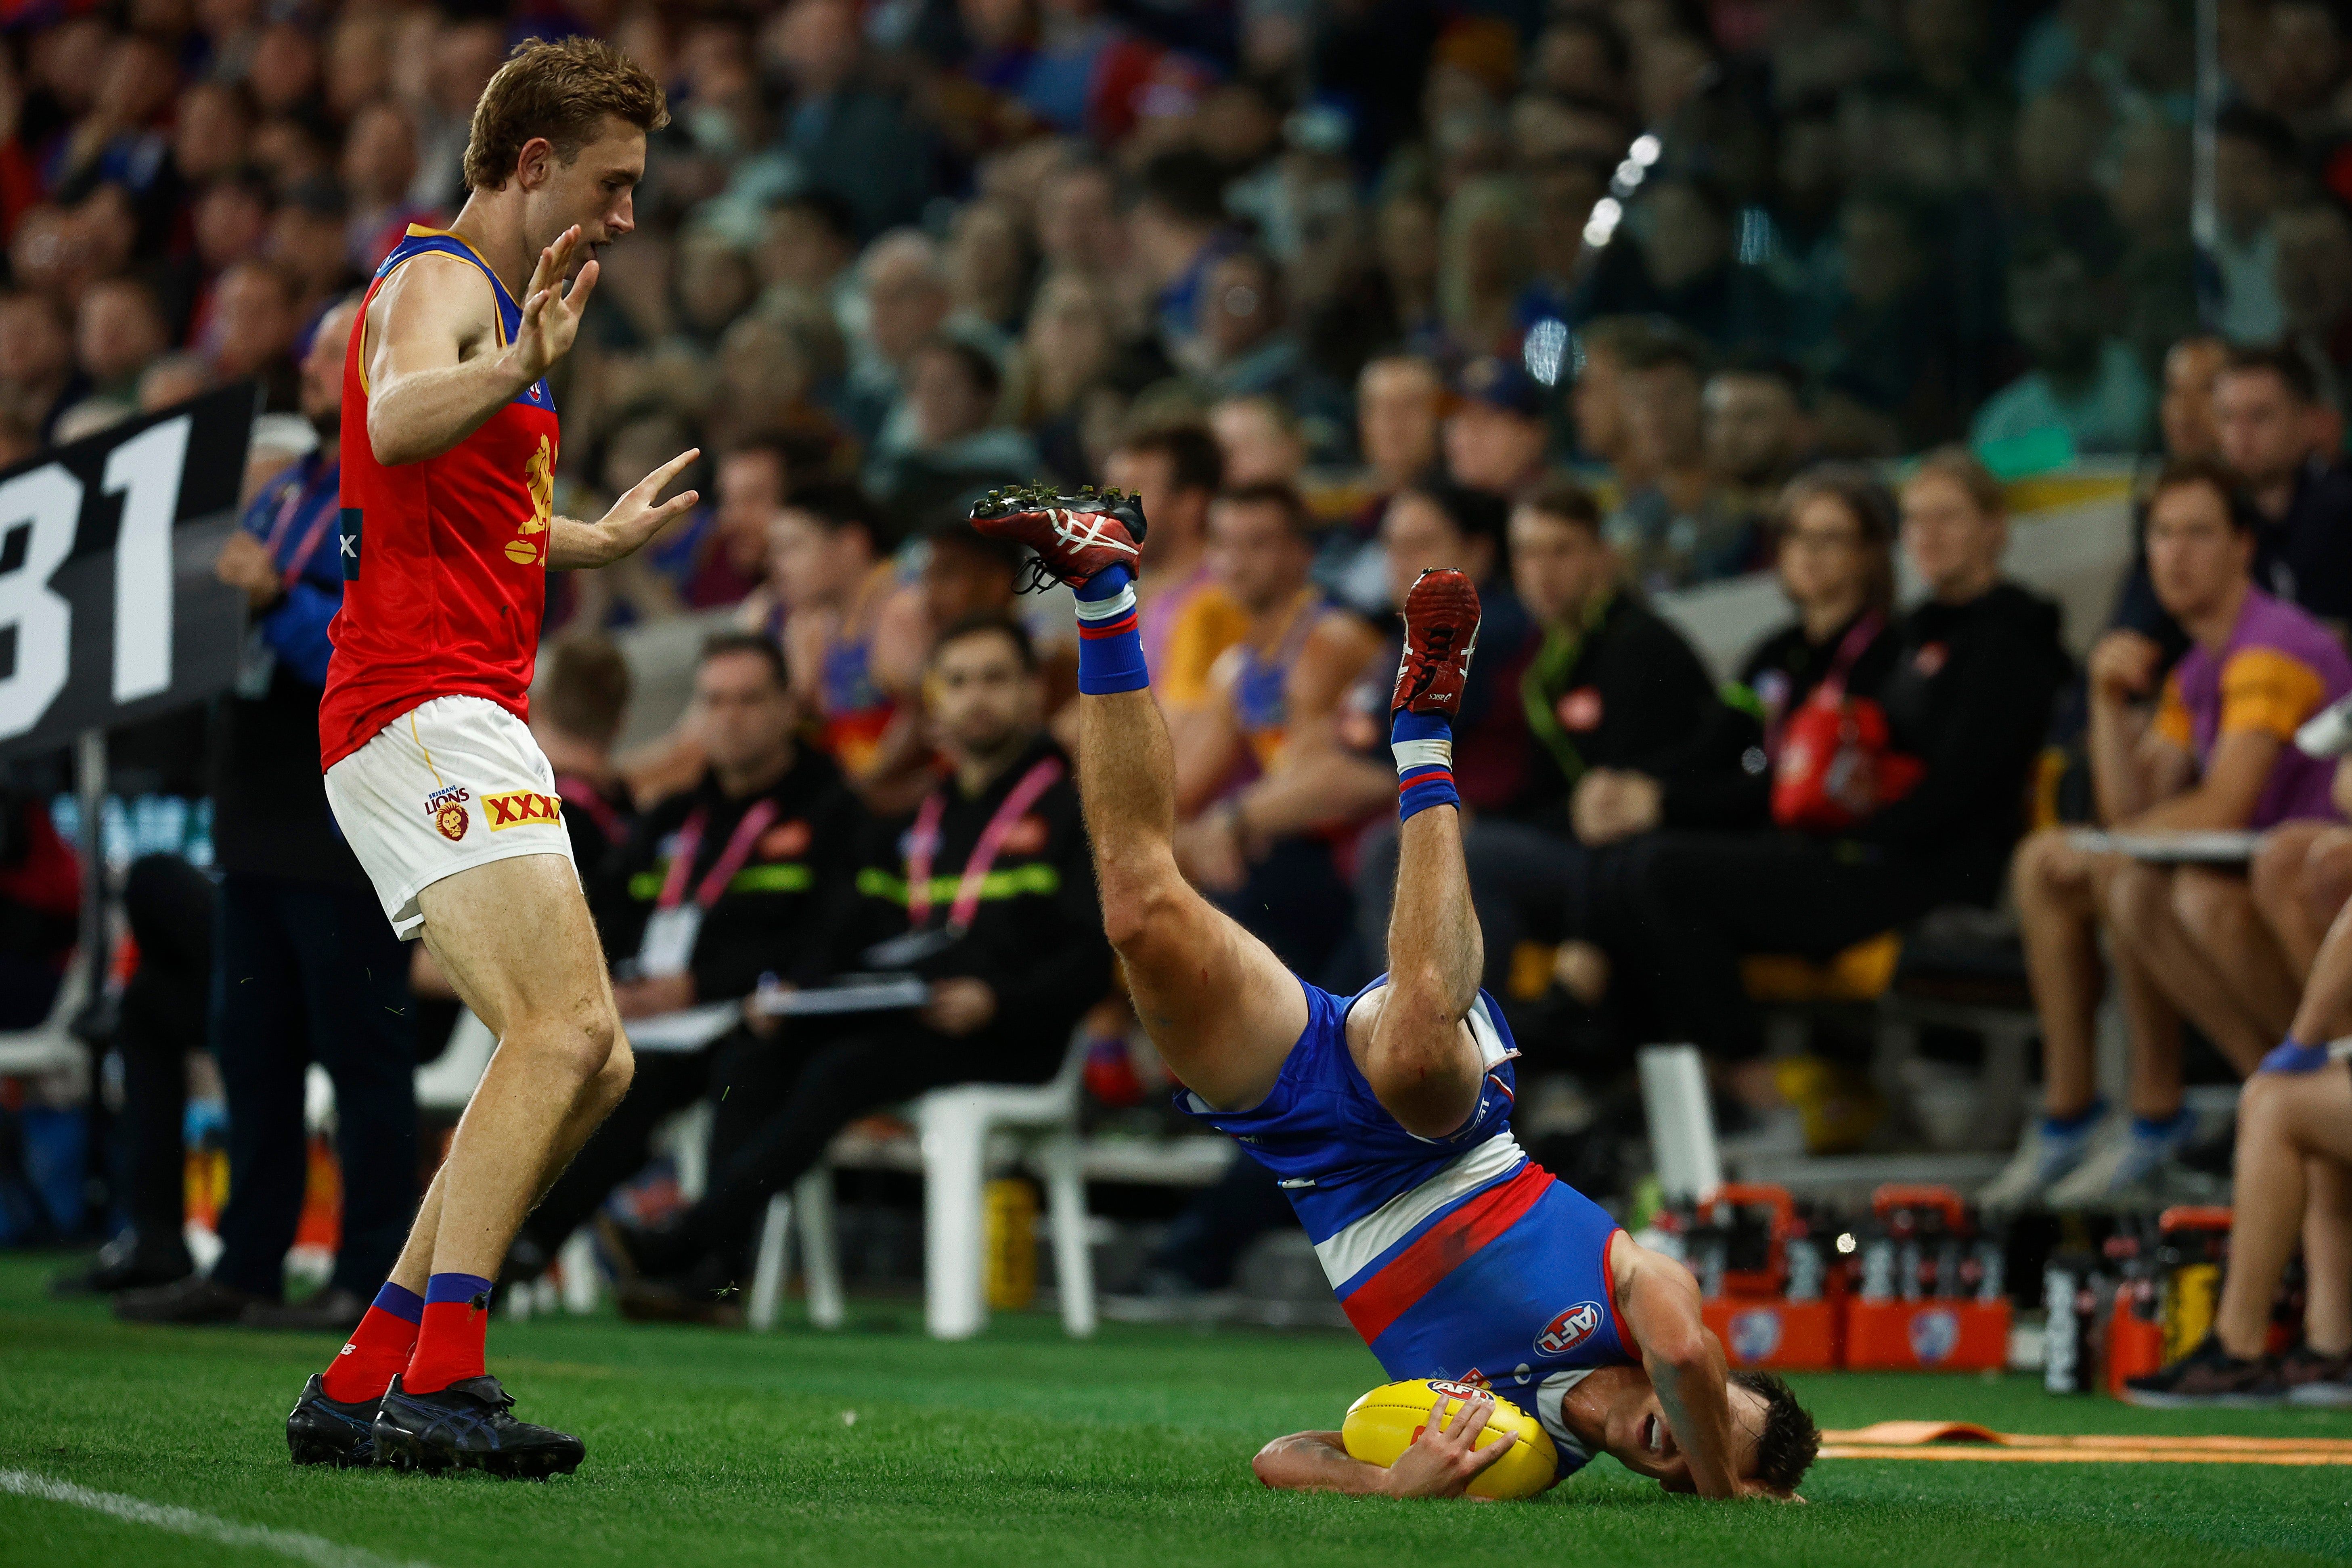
(1570, 1330)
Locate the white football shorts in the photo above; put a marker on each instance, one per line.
(453, 782)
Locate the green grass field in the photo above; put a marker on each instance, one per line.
(1022, 1447)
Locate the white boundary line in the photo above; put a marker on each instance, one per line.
(312, 1549)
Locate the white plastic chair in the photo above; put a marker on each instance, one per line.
(954, 1125)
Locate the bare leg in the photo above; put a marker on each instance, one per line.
(2284, 1120)
(2327, 1257)
(2327, 994)
(2275, 878)
(1222, 1010)
(2215, 911)
(1420, 1064)
(516, 940)
(2142, 906)
(2053, 884)
(2155, 1025)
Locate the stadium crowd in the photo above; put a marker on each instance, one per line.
(1598, 301)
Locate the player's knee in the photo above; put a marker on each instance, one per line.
(2034, 867)
(620, 1069)
(577, 1044)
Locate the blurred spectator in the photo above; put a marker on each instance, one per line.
(809, 249)
(1678, 261)
(852, 633)
(722, 553)
(1755, 430)
(2218, 755)
(1260, 440)
(2314, 279)
(1066, 352)
(1246, 351)
(38, 370)
(307, 238)
(1687, 525)
(1175, 233)
(2085, 386)
(988, 268)
(2186, 422)
(907, 300)
(2254, 160)
(1890, 365)
(2277, 433)
(172, 379)
(40, 906)
(1969, 695)
(1186, 621)
(1482, 266)
(846, 133)
(956, 446)
(1295, 658)
(1607, 349)
(1835, 538)
(1398, 403)
(1495, 438)
(117, 331)
(252, 330)
(379, 166)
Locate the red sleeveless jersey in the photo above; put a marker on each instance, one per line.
(445, 560)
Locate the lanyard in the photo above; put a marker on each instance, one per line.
(926, 845)
(730, 859)
(295, 495)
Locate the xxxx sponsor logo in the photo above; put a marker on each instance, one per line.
(517, 806)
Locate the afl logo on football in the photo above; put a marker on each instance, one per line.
(1458, 1390)
(1570, 1330)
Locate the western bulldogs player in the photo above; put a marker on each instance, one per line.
(1386, 1114)
(448, 532)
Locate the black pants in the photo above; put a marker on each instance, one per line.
(310, 972)
(1204, 1244)
(1527, 885)
(1295, 903)
(1696, 903)
(804, 1095)
(666, 1082)
(169, 905)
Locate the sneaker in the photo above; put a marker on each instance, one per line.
(195, 1300)
(1074, 536)
(466, 1427)
(124, 1264)
(2128, 1155)
(2047, 1153)
(324, 1431)
(2314, 1379)
(1441, 633)
(2208, 1377)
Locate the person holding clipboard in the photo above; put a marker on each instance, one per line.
(985, 895)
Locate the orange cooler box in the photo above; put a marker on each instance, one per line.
(1926, 1336)
(1798, 1336)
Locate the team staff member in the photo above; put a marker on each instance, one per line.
(714, 888)
(986, 892)
(448, 532)
(304, 968)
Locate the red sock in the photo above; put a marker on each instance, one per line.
(449, 1340)
(378, 1349)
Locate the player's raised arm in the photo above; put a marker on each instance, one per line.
(434, 372)
(1685, 1361)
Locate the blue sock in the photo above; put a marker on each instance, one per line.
(401, 1302)
(2076, 1122)
(1422, 744)
(441, 1288)
(1111, 649)
(2291, 1056)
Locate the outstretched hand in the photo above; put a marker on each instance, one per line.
(550, 315)
(1444, 1463)
(636, 517)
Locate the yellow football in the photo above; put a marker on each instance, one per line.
(1384, 1423)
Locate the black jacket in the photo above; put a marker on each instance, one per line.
(1969, 694)
(1777, 678)
(1635, 696)
(767, 917)
(1037, 937)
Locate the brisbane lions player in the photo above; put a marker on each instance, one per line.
(1386, 1114)
(449, 452)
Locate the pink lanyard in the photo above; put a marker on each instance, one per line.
(730, 859)
(926, 845)
(292, 570)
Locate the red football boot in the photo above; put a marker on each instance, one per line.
(1074, 536)
(1441, 633)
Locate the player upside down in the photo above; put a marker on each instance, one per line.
(1387, 1115)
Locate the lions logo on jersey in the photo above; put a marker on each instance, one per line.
(538, 477)
(1570, 1330)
